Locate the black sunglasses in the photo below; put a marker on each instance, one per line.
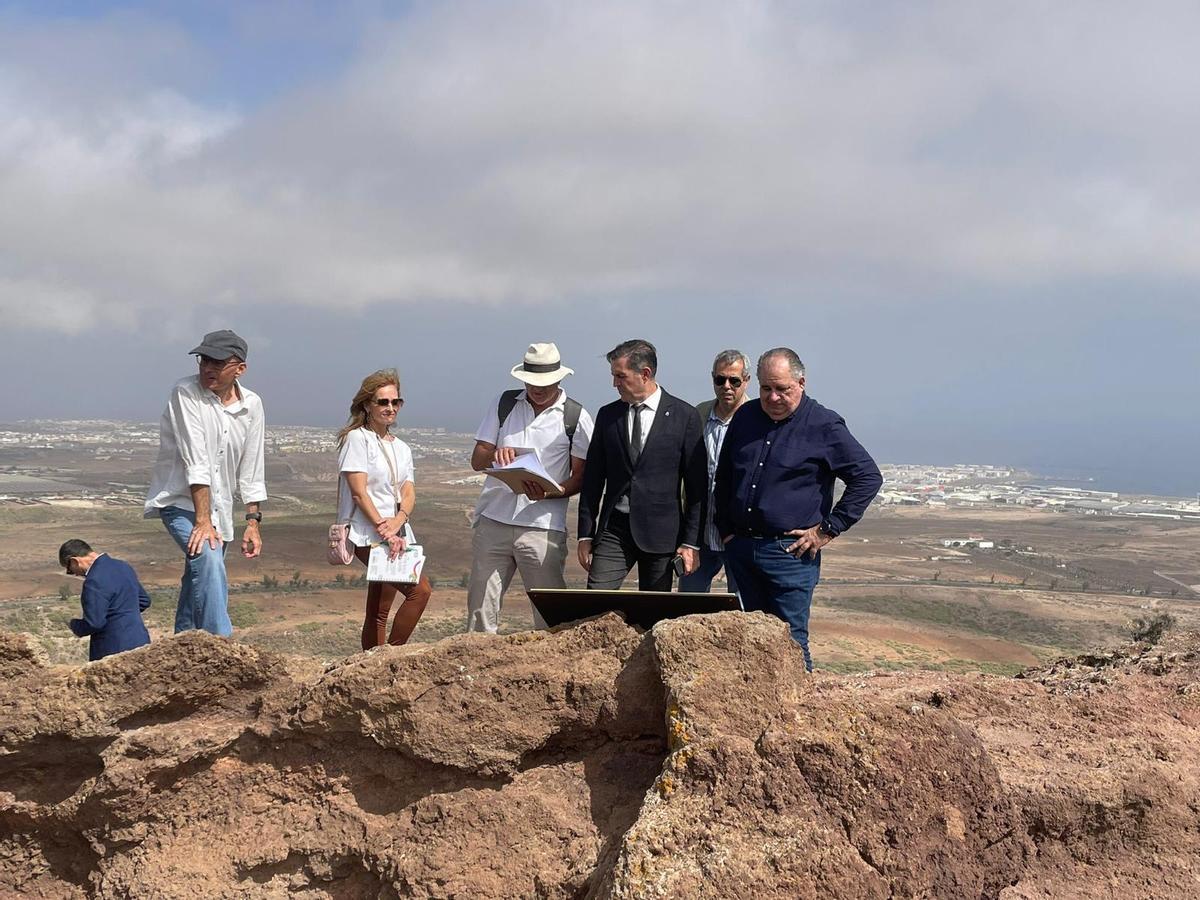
(733, 380)
(386, 401)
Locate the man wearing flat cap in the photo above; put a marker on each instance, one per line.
(210, 447)
(527, 531)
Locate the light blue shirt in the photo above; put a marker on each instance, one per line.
(714, 436)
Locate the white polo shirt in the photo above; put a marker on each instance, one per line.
(202, 441)
(545, 433)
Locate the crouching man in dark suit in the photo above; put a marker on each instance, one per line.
(645, 447)
(113, 600)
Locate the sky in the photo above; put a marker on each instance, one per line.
(977, 223)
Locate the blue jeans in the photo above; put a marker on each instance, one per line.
(700, 581)
(203, 590)
(774, 581)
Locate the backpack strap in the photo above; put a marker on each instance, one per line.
(571, 411)
(507, 401)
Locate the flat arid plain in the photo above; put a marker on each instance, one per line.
(893, 596)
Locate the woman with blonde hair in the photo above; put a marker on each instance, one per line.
(376, 498)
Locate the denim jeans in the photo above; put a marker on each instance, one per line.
(774, 581)
(700, 581)
(203, 590)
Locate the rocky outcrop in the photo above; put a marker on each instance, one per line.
(696, 760)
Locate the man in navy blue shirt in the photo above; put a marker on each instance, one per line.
(773, 492)
(113, 600)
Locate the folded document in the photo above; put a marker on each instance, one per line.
(525, 467)
(404, 569)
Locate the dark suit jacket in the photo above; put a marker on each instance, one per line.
(113, 600)
(661, 516)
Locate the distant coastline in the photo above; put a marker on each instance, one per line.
(79, 433)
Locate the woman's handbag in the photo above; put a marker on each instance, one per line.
(341, 551)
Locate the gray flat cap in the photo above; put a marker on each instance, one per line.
(221, 345)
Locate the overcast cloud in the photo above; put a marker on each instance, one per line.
(165, 167)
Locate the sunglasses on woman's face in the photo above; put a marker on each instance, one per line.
(734, 381)
(387, 401)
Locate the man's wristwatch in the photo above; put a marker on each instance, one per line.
(824, 529)
(254, 517)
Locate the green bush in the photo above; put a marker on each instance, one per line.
(1151, 630)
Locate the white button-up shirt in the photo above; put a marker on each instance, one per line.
(202, 441)
(545, 433)
(649, 408)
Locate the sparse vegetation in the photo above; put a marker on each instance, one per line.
(1150, 630)
(242, 613)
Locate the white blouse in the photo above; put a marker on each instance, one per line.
(364, 451)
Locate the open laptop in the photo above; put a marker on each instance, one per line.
(641, 608)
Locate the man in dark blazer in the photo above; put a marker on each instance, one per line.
(647, 461)
(113, 600)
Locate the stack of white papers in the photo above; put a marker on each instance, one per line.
(404, 569)
(526, 466)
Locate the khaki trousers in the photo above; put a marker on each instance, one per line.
(498, 551)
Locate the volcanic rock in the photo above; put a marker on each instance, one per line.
(596, 761)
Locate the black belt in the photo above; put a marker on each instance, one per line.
(760, 536)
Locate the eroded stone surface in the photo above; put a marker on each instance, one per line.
(697, 760)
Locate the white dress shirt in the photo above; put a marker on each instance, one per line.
(649, 408)
(202, 441)
(546, 433)
(364, 451)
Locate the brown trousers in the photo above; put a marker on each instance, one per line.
(380, 595)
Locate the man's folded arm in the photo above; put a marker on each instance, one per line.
(851, 463)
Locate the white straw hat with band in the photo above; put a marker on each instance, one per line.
(542, 366)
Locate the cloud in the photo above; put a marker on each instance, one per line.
(542, 152)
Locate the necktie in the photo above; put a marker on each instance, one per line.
(635, 443)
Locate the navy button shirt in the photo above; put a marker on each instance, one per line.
(773, 476)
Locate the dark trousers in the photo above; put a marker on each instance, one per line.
(771, 580)
(614, 553)
(380, 595)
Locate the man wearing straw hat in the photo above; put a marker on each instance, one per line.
(525, 532)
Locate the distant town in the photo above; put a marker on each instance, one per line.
(23, 481)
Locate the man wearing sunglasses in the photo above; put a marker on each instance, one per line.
(730, 375)
(210, 447)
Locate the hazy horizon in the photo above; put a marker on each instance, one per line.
(976, 225)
